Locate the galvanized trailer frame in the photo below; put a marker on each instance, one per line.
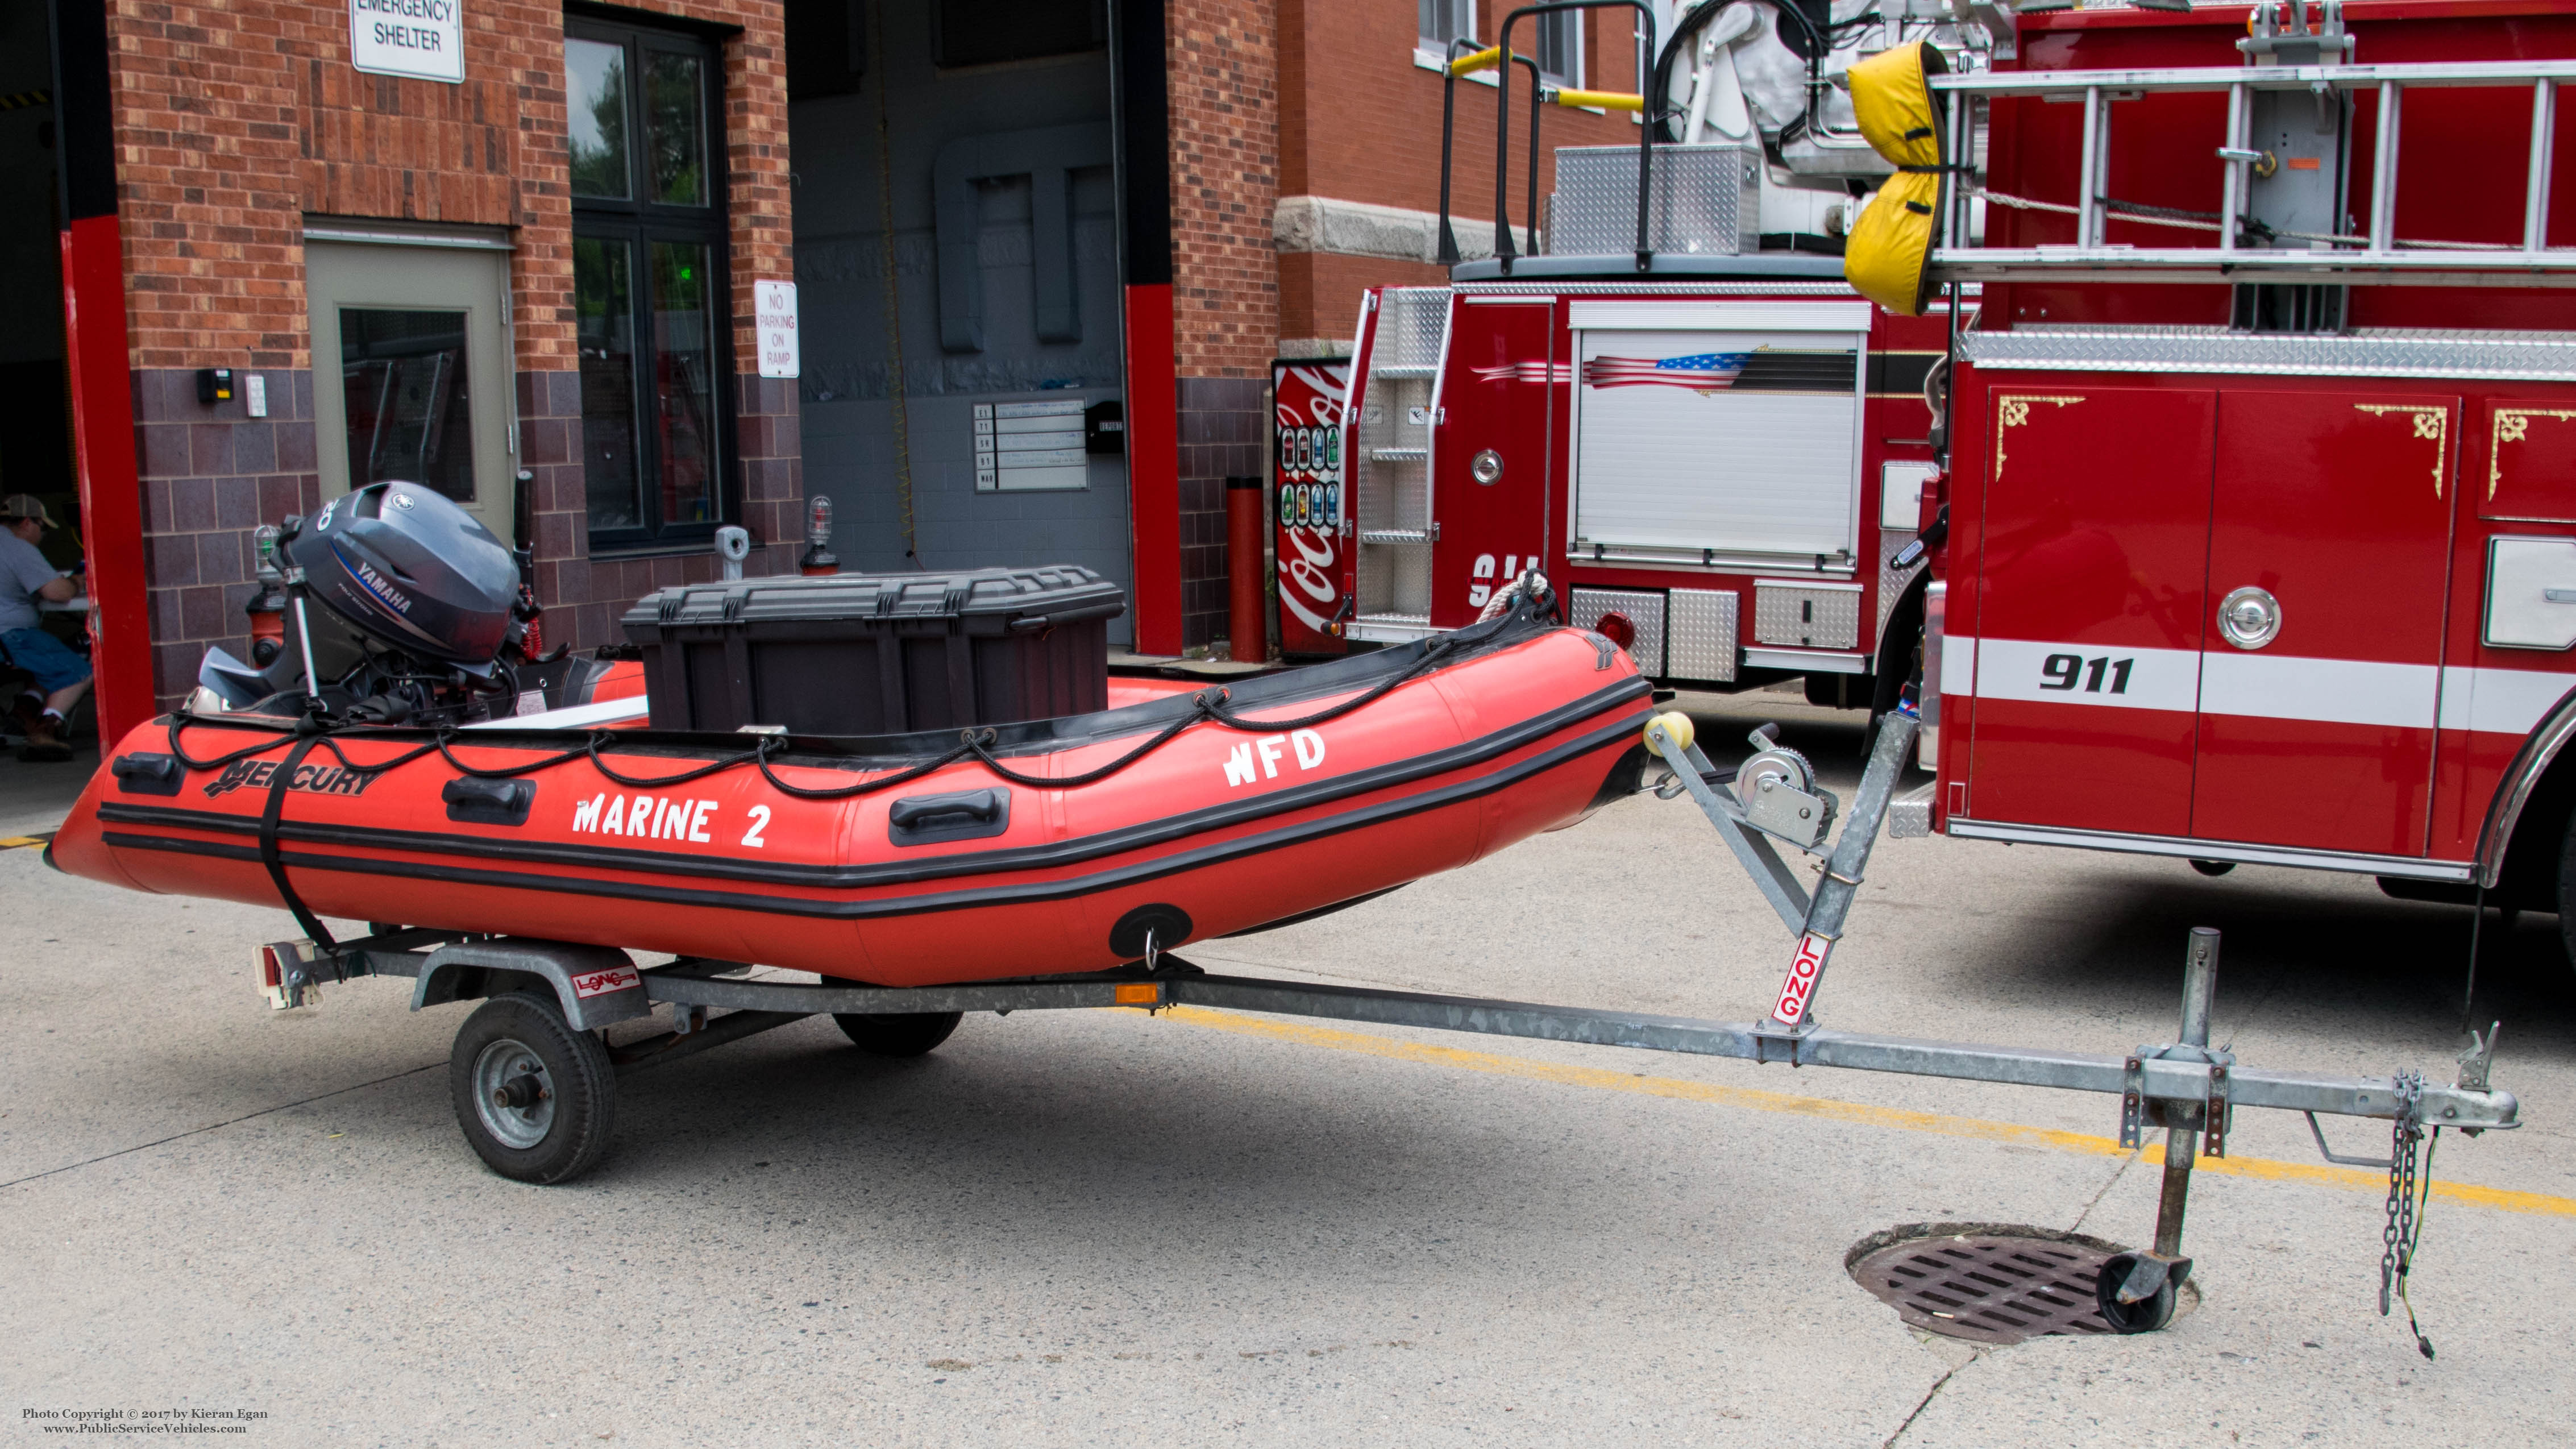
(2184, 1087)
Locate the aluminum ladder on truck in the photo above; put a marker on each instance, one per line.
(1389, 497)
(2320, 253)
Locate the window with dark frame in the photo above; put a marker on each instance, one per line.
(1442, 21)
(1560, 47)
(650, 291)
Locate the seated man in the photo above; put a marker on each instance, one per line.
(62, 675)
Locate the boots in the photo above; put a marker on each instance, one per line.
(45, 741)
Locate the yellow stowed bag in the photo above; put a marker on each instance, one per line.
(1885, 256)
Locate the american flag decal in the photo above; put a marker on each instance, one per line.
(1526, 372)
(1699, 371)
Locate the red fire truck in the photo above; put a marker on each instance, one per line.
(2247, 470)
(1680, 412)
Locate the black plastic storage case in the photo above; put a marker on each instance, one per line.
(871, 654)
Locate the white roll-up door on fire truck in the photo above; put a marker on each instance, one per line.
(1719, 432)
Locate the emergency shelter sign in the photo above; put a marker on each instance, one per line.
(424, 39)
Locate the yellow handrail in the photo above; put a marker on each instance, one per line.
(1605, 100)
(1485, 59)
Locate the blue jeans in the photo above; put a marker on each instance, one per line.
(44, 656)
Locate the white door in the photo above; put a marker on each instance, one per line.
(411, 371)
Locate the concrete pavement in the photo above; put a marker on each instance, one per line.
(1108, 1228)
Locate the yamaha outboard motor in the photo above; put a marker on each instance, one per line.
(411, 569)
(412, 609)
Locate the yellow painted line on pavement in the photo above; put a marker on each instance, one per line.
(1858, 1113)
(20, 842)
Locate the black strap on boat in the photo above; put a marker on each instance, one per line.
(269, 818)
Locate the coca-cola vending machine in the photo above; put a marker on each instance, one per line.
(1313, 549)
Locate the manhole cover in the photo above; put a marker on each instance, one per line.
(1990, 1282)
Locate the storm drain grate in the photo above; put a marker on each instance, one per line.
(1988, 1283)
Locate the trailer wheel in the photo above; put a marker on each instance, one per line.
(536, 1098)
(898, 1034)
(2144, 1316)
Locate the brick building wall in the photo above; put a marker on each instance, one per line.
(1361, 124)
(1225, 111)
(235, 123)
(1283, 111)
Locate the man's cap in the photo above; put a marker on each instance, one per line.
(24, 505)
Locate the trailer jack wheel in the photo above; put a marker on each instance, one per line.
(535, 1097)
(898, 1034)
(2145, 1315)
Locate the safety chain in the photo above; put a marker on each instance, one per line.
(2399, 1235)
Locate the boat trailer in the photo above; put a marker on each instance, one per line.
(533, 1075)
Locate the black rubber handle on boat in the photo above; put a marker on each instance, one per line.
(932, 819)
(922, 809)
(146, 774)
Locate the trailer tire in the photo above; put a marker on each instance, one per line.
(897, 1034)
(537, 1100)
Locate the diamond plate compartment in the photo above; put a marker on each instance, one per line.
(1698, 200)
(1643, 609)
(1701, 637)
(1793, 615)
(1989, 1282)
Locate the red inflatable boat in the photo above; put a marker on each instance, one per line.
(1051, 846)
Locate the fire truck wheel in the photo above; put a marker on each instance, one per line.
(2567, 887)
(898, 1034)
(536, 1098)
(2213, 867)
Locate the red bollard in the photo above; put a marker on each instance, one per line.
(1246, 523)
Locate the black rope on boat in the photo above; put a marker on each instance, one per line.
(844, 792)
(181, 719)
(308, 733)
(1218, 712)
(1201, 706)
(1206, 704)
(588, 746)
(758, 752)
(301, 729)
